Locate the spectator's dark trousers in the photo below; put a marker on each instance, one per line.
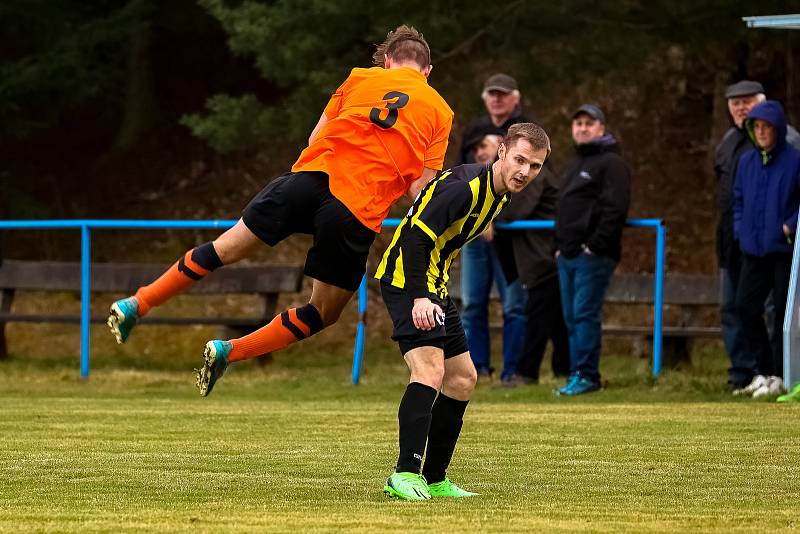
(545, 322)
(743, 362)
(480, 267)
(759, 276)
(584, 280)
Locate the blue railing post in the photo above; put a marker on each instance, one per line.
(658, 304)
(358, 351)
(86, 267)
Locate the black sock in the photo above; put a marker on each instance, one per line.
(447, 417)
(415, 421)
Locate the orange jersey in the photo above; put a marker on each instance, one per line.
(384, 126)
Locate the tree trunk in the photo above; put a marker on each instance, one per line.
(140, 103)
(791, 78)
(720, 118)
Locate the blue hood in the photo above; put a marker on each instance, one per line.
(772, 112)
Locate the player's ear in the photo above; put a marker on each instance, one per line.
(427, 70)
(387, 62)
(501, 152)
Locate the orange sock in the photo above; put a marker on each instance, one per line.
(193, 266)
(288, 327)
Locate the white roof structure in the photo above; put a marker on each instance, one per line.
(778, 22)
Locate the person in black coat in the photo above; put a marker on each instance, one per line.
(591, 214)
(536, 268)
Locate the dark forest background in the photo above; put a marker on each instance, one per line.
(184, 109)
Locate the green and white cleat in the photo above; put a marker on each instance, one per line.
(407, 486)
(122, 317)
(445, 488)
(215, 357)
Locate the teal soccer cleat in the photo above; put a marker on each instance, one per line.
(407, 486)
(122, 317)
(215, 357)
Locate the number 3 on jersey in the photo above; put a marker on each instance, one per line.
(391, 117)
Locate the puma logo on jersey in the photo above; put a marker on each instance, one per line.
(439, 318)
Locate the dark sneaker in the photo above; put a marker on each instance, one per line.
(215, 361)
(122, 317)
(516, 380)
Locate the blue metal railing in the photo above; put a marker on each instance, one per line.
(86, 225)
(658, 298)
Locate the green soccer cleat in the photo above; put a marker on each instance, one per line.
(445, 488)
(215, 357)
(122, 317)
(407, 486)
(792, 396)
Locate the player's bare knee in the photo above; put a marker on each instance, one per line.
(428, 373)
(462, 382)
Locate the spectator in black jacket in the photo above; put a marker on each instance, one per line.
(742, 98)
(536, 268)
(591, 214)
(486, 261)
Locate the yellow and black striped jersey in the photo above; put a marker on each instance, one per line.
(451, 210)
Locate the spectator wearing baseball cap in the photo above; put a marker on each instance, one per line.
(501, 97)
(741, 98)
(489, 260)
(592, 209)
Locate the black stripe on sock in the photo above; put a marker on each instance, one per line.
(291, 327)
(311, 318)
(206, 257)
(187, 271)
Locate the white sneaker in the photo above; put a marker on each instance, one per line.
(773, 387)
(757, 382)
(776, 386)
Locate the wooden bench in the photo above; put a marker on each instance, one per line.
(688, 292)
(266, 281)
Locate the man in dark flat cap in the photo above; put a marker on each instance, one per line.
(742, 97)
(489, 260)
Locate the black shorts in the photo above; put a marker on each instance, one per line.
(448, 336)
(302, 203)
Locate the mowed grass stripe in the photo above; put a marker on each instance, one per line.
(172, 462)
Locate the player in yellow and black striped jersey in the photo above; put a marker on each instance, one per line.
(450, 211)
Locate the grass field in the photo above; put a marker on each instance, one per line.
(292, 446)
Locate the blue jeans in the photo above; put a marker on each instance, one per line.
(583, 281)
(480, 266)
(743, 363)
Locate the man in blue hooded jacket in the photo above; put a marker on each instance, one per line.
(766, 200)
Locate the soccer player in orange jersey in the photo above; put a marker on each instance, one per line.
(383, 134)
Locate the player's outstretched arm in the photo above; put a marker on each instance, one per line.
(420, 183)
